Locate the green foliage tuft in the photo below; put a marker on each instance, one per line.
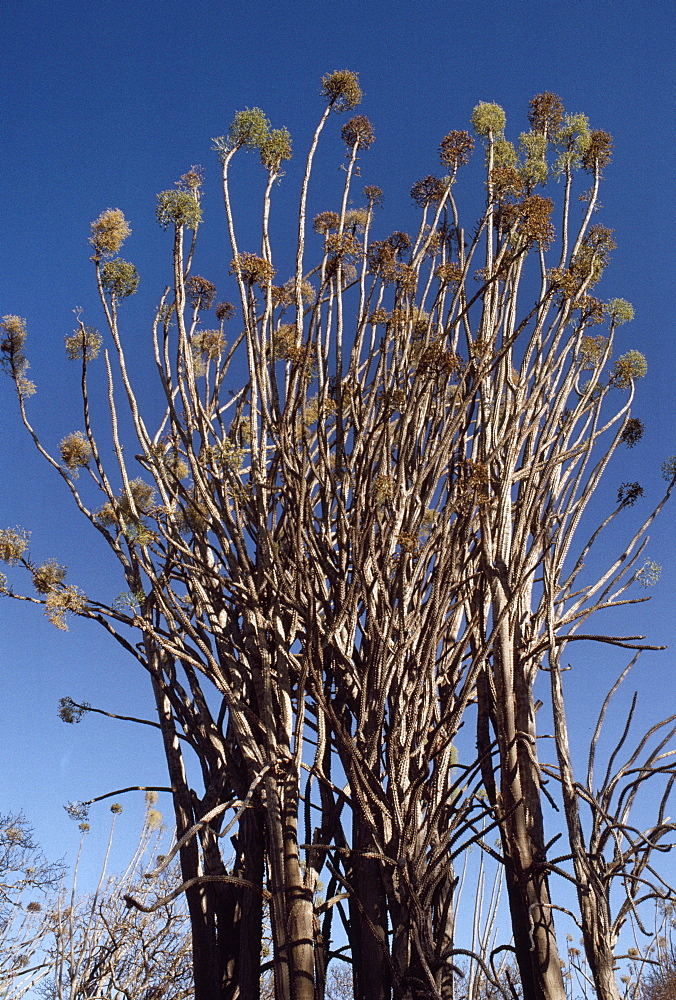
(534, 170)
(275, 148)
(573, 139)
(342, 90)
(504, 154)
(649, 573)
(119, 278)
(575, 129)
(620, 311)
(84, 343)
(488, 119)
(628, 368)
(128, 601)
(178, 208)
(250, 128)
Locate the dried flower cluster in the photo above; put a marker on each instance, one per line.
(48, 576)
(358, 132)
(13, 545)
(200, 293)
(12, 356)
(252, 269)
(455, 149)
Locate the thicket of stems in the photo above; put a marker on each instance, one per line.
(373, 541)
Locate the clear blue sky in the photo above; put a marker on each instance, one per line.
(104, 104)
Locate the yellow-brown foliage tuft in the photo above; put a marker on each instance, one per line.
(76, 451)
(109, 232)
(13, 544)
(47, 577)
(63, 601)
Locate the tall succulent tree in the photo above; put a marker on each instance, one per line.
(334, 563)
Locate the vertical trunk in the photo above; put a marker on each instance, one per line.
(604, 973)
(205, 957)
(227, 910)
(594, 909)
(299, 898)
(292, 911)
(275, 842)
(250, 839)
(533, 928)
(401, 940)
(369, 918)
(522, 828)
(443, 933)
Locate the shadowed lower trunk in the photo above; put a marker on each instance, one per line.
(248, 926)
(368, 915)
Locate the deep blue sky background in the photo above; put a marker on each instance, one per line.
(105, 104)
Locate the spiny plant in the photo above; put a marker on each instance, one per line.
(370, 541)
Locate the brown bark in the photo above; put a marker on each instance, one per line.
(250, 842)
(368, 913)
